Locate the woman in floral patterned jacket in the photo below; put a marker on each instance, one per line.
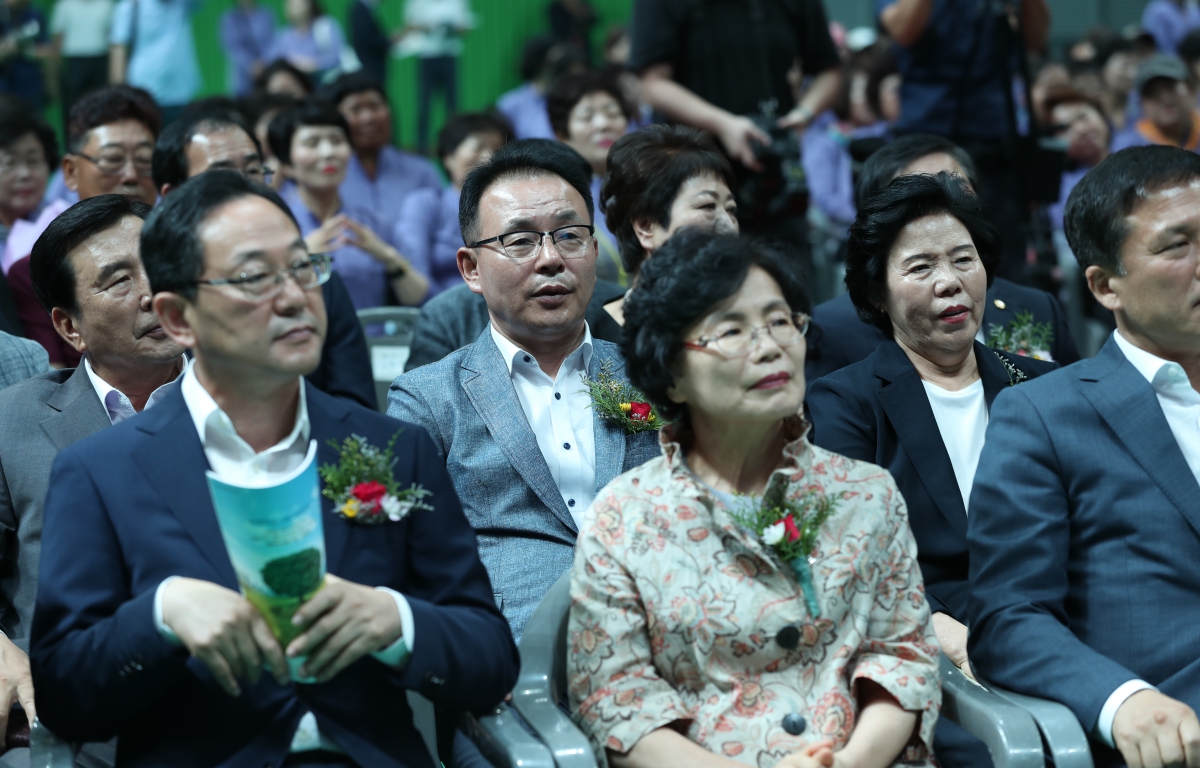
(699, 637)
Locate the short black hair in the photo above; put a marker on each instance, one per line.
(111, 104)
(50, 269)
(350, 84)
(880, 221)
(171, 249)
(646, 169)
(1094, 218)
(308, 113)
(528, 158)
(883, 166)
(461, 127)
(693, 272)
(570, 89)
(283, 65)
(170, 151)
(18, 121)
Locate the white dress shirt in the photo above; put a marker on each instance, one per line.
(1180, 404)
(559, 412)
(962, 419)
(232, 458)
(115, 402)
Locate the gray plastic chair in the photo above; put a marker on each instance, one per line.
(1065, 737)
(1008, 731)
(389, 352)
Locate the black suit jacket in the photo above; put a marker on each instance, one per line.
(345, 369)
(843, 338)
(456, 317)
(877, 410)
(129, 506)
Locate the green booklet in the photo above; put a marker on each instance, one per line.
(276, 542)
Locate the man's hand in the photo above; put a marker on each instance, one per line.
(1153, 730)
(739, 135)
(342, 623)
(952, 636)
(819, 755)
(222, 629)
(15, 681)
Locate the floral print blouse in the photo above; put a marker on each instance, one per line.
(676, 614)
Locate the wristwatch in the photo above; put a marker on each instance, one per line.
(397, 273)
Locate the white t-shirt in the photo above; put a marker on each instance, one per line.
(962, 419)
(84, 25)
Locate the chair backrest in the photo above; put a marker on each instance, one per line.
(389, 337)
(542, 687)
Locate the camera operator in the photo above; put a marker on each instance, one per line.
(722, 65)
(958, 59)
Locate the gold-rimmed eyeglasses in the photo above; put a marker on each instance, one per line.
(262, 284)
(737, 339)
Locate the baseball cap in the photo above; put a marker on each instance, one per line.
(1160, 65)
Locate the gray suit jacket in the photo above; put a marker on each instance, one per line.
(20, 359)
(469, 406)
(38, 418)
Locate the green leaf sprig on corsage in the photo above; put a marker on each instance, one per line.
(620, 404)
(1023, 337)
(790, 527)
(362, 486)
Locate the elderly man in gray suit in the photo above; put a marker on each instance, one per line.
(20, 359)
(510, 413)
(87, 271)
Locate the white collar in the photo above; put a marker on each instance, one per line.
(1147, 364)
(102, 387)
(512, 353)
(207, 414)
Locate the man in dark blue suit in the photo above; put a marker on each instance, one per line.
(1084, 521)
(139, 631)
(843, 338)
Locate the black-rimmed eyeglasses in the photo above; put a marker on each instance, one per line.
(571, 241)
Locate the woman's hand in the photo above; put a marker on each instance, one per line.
(952, 636)
(411, 286)
(328, 237)
(819, 755)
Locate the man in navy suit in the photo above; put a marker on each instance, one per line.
(844, 338)
(1084, 521)
(139, 631)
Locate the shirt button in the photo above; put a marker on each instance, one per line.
(558, 395)
(794, 724)
(570, 502)
(527, 358)
(567, 446)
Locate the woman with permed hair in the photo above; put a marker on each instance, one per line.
(699, 635)
(919, 261)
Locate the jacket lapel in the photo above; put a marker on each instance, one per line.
(906, 404)
(1129, 405)
(494, 398)
(174, 463)
(992, 372)
(326, 416)
(609, 438)
(80, 412)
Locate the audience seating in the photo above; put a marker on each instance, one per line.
(1064, 737)
(389, 349)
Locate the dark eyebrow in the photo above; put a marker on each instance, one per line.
(112, 268)
(735, 315)
(565, 216)
(120, 145)
(952, 251)
(245, 256)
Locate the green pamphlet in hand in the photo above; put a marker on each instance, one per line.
(276, 542)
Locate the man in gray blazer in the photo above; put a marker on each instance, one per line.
(510, 414)
(20, 359)
(87, 272)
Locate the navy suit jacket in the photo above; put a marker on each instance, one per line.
(345, 369)
(129, 506)
(1085, 538)
(877, 410)
(844, 338)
